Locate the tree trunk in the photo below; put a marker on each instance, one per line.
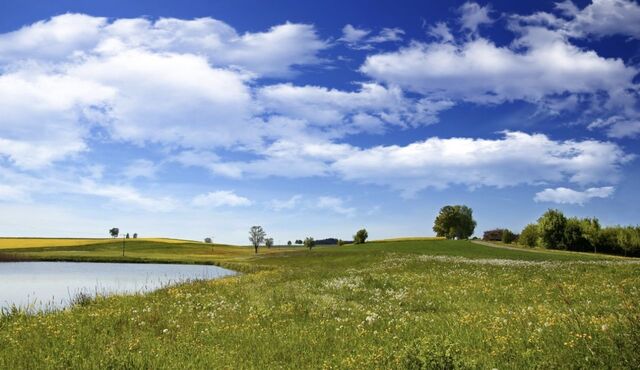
(256, 248)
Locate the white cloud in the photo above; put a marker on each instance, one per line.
(353, 35)
(473, 15)
(171, 99)
(274, 52)
(42, 115)
(602, 18)
(541, 64)
(516, 159)
(570, 196)
(370, 109)
(360, 39)
(288, 204)
(220, 198)
(336, 205)
(387, 35)
(617, 126)
(124, 195)
(441, 32)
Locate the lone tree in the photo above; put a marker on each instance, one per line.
(289, 243)
(135, 235)
(208, 240)
(127, 236)
(268, 242)
(256, 236)
(114, 232)
(309, 243)
(455, 222)
(361, 236)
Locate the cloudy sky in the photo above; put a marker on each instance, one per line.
(190, 119)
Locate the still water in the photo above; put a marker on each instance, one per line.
(51, 285)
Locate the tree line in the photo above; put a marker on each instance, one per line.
(553, 230)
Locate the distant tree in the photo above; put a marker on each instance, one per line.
(361, 236)
(309, 243)
(551, 228)
(114, 232)
(208, 240)
(256, 236)
(508, 236)
(135, 235)
(340, 242)
(289, 243)
(529, 235)
(268, 242)
(127, 236)
(298, 241)
(455, 222)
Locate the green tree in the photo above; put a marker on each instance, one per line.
(289, 243)
(114, 232)
(574, 239)
(591, 232)
(455, 222)
(508, 236)
(551, 227)
(529, 235)
(360, 237)
(309, 242)
(256, 236)
(268, 242)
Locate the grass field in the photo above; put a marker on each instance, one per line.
(19, 243)
(406, 304)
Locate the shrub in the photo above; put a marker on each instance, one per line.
(508, 236)
(529, 235)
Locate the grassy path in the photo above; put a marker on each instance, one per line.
(410, 304)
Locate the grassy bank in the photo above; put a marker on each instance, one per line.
(405, 304)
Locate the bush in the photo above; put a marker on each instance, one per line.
(508, 236)
(529, 236)
(493, 235)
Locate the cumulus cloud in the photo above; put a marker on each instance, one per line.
(220, 198)
(517, 158)
(270, 53)
(602, 18)
(570, 196)
(43, 115)
(479, 71)
(371, 108)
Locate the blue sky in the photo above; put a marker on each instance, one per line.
(194, 119)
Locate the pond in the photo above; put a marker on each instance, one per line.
(38, 286)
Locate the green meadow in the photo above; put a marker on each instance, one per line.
(407, 304)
